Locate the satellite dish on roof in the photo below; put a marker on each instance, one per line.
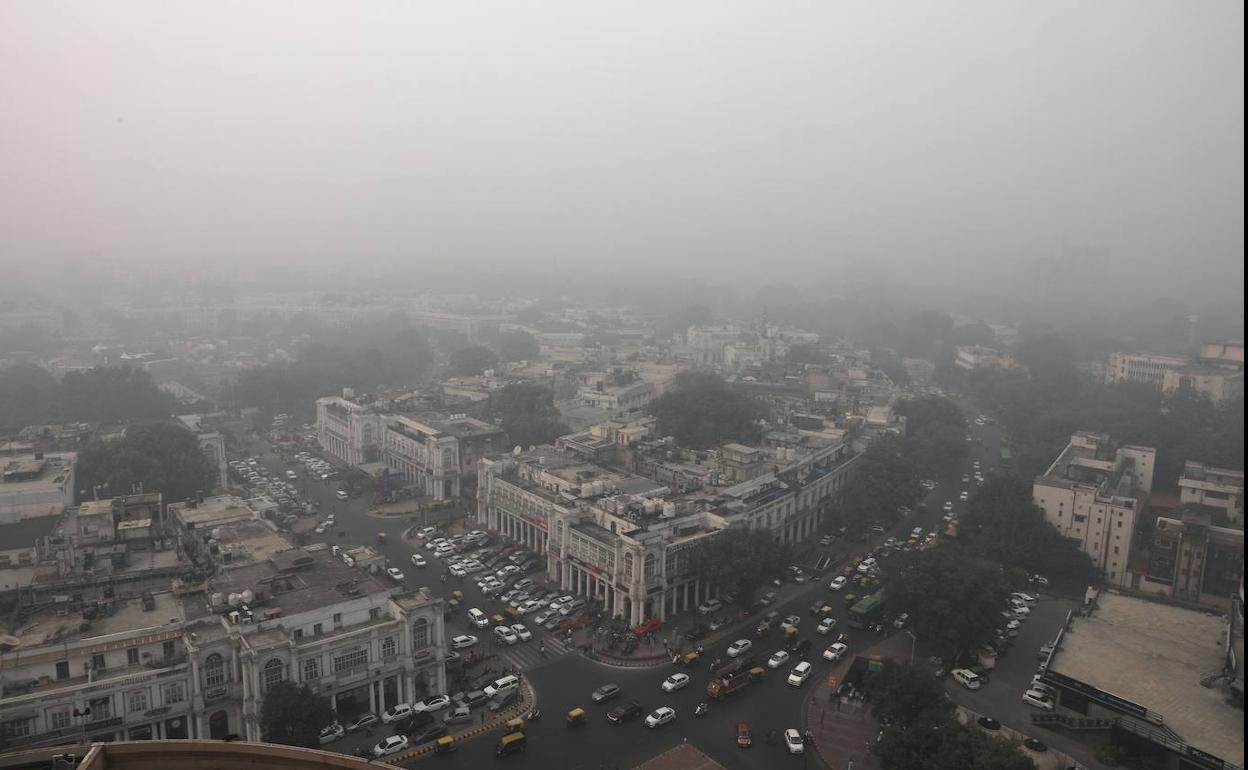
(9, 641)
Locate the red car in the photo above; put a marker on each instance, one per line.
(650, 626)
(744, 741)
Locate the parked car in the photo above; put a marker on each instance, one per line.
(392, 745)
(838, 583)
(800, 673)
(463, 642)
(709, 606)
(396, 712)
(778, 659)
(836, 651)
(361, 722)
(331, 733)
(432, 703)
(1038, 699)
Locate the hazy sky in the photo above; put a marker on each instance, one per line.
(937, 141)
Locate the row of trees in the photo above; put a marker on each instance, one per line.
(527, 413)
(30, 395)
(740, 561)
(922, 731)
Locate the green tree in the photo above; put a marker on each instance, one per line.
(528, 414)
(887, 479)
(470, 361)
(161, 456)
(739, 561)
(701, 411)
(953, 596)
(292, 714)
(806, 353)
(518, 346)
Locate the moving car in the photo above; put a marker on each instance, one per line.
(709, 606)
(505, 635)
(361, 722)
(395, 574)
(838, 582)
(624, 712)
(463, 642)
(835, 651)
(793, 741)
(522, 633)
(502, 684)
(675, 682)
(605, 692)
(392, 745)
(739, 647)
(342, 495)
(799, 674)
(826, 625)
(1038, 699)
(432, 703)
(661, 716)
(744, 741)
(418, 561)
(778, 659)
(967, 678)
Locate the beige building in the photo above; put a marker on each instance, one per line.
(979, 357)
(349, 432)
(1217, 488)
(36, 484)
(1218, 372)
(1093, 494)
(1147, 368)
(1192, 559)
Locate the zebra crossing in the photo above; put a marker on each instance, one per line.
(526, 655)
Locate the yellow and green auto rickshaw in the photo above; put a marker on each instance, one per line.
(576, 717)
(445, 745)
(513, 726)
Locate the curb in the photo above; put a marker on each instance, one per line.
(523, 706)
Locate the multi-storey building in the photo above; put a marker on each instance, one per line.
(1147, 368)
(1216, 488)
(618, 398)
(438, 455)
(1217, 372)
(349, 432)
(36, 484)
(624, 540)
(979, 357)
(1192, 559)
(1093, 493)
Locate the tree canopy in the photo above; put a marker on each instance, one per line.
(470, 361)
(528, 414)
(701, 411)
(936, 434)
(954, 597)
(887, 478)
(739, 560)
(292, 714)
(162, 456)
(921, 731)
(30, 395)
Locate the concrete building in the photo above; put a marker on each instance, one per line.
(36, 484)
(1158, 679)
(112, 659)
(979, 357)
(1217, 488)
(1194, 560)
(1147, 368)
(1093, 494)
(439, 455)
(624, 540)
(24, 543)
(213, 445)
(706, 343)
(349, 432)
(630, 397)
(1216, 382)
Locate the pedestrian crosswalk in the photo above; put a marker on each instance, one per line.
(526, 655)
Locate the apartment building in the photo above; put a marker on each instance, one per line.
(628, 397)
(1193, 559)
(1093, 494)
(438, 455)
(1217, 371)
(1147, 368)
(1219, 489)
(979, 357)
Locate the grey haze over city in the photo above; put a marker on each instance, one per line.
(1057, 149)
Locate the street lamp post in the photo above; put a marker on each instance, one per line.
(913, 641)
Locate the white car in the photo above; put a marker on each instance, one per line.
(838, 582)
(826, 625)
(463, 642)
(675, 682)
(835, 652)
(948, 506)
(432, 703)
(392, 745)
(778, 659)
(964, 496)
(418, 561)
(867, 565)
(739, 647)
(320, 530)
(800, 673)
(793, 741)
(331, 733)
(395, 713)
(660, 716)
(395, 574)
(1038, 699)
(505, 635)
(522, 633)
(478, 618)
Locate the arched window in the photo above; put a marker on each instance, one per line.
(214, 671)
(274, 672)
(420, 634)
(651, 566)
(628, 565)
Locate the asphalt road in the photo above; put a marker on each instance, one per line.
(564, 680)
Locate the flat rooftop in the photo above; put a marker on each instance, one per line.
(327, 582)
(26, 474)
(1155, 655)
(247, 541)
(218, 509)
(47, 627)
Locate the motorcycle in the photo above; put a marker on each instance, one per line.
(534, 715)
(701, 710)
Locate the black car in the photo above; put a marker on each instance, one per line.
(698, 631)
(624, 712)
(474, 698)
(430, 733)
(606, 692)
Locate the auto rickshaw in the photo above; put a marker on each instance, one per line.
(690, 659)
(498, 620)
(457, 596)
(445, 745)
(576, 717)
(513, 726)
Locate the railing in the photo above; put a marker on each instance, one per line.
(1073, 723)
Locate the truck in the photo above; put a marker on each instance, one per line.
(734, 679)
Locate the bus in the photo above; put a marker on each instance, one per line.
(867, 610)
